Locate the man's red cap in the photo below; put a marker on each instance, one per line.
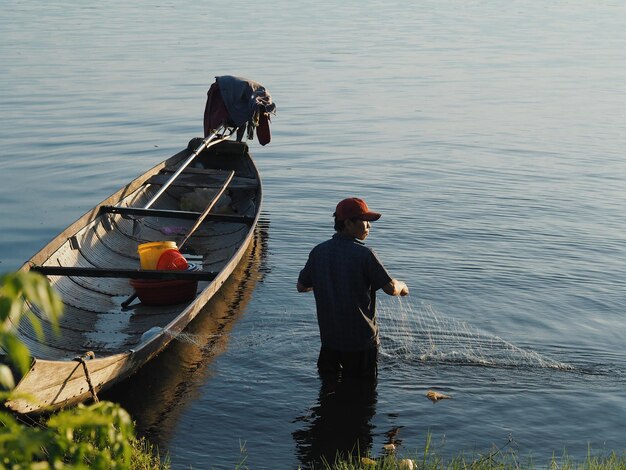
(355, 208)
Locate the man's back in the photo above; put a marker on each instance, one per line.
(345, 275)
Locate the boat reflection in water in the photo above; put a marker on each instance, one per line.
(159, 392)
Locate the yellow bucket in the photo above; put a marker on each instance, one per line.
(149, 253)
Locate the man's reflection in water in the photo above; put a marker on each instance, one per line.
(339, 422)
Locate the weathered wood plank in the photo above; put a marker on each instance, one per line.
(198, 171)
(124, 273)
(106, 286)
(202, 181)
(175, 214)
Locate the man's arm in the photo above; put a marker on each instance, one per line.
(302, 288)
(395, 287)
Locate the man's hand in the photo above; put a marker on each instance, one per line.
(404, 290)
(303, 288)
(396, 287)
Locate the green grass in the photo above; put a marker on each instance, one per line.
(145, 456)
(503, 458)
(501, 462)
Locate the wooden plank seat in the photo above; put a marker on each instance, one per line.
(175, 214)
(211, 181)
(124, 273)
(199, 171)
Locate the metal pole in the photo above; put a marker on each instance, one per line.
(208, 209)
(206, 143)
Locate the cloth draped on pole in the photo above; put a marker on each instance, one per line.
(241, 103)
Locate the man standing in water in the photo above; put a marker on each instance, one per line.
(344, 276)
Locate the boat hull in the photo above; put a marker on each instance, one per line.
(117, 340)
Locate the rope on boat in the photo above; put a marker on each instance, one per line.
(81, 359)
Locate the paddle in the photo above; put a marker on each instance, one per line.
(209, 141)
(195, 226)
(208, 208)
(129, 301)
(206, 143)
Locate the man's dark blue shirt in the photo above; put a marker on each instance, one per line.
(345, 275)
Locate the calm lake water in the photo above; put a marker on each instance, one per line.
(491, 136)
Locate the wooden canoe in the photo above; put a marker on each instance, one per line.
(92, 262)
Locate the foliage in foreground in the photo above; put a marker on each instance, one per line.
(15, 290)
(99, 436)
